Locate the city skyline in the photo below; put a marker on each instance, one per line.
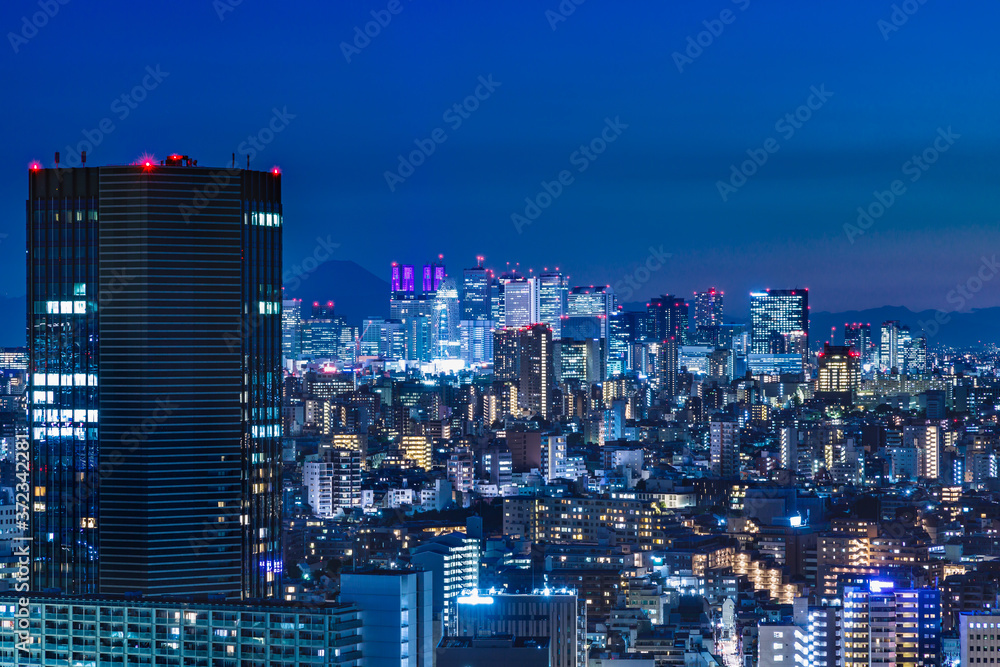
(381, 333)
(657, 182)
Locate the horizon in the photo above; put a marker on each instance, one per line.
(752, 159)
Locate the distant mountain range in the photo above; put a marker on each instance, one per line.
(355, 291)
(358, 293)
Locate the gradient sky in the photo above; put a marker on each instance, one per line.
(654, 186)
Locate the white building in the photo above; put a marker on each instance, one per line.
(333, 481)
(453, 559)
(782, 646)
(979, 638)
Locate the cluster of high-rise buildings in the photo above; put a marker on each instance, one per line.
(197, 469)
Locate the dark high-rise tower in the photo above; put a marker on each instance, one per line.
(708, 308)
(668, 317)
(859, 336)
(475, 293)
(154, 330)
(553, 290)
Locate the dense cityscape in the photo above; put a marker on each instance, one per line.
(383, 333)
(508, 467)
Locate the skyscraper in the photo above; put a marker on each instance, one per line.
(506, 354)
(593, 301)
(668, 366)
(779, 322)
(708, 308)
(667, 316)
(520, 296)
(476, 293)
(291, 328)
(553, 288)
(154, 320)
(537, 369)
(839, 369)
(775, 316)
(446, 341)
(859, 336)
(725, 448)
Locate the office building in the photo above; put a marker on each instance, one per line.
(321, 333)
(557, 614)
(445, 339)
(553, 291)
(476, 292)
(597, 302)
(291, 328)
(979, 638)
(536, 369)
(580, 360)
(492, 650)
(506, 354)
(667, 316)
(859, 337)
(396, 616)
(476, 341)
(708, 308)
(779, 321)
(839, 370)
(497, 300)
(620, 339)
(402, 281)
(431, 277)
(116, 630)
(899, 352)
(154, 318)
(520, 296)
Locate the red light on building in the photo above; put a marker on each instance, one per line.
(35, 166)
(276, 171)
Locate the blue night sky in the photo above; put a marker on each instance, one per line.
(655, 185)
